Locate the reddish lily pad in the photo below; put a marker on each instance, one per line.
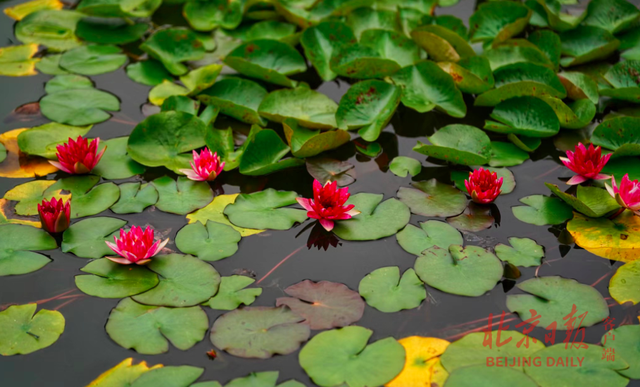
(432, 198)
(474, 218)
(377, 219)
(16, 245)
(23, 331)
(107, 279)
(459, 144)
(386, 291)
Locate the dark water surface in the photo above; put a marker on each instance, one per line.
(84, 350)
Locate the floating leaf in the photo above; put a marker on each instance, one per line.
(615, 239)
(623, 286)
(110, 8)
(16, 241)
(24, 331)
(259, 332)
(620, 134)
(273, 29)
(579, 86)
(505, 154)
(42, 140)
(591, 201)
(263, 153)
(86, 238)
(441, 43)
(433, 233)
(214, 211)
(554, 297)
(107, 279)
(18, 61)
(459, 144)
(52, 28)
(324, 304)
(149, 72)
(542, 210)
(525, 252)
(93, 59)
(180, 376)
(498, 21)
(558, 20)
(211, 243)
(527, 116)
(310, 108)
(422, 363)
(182, 196)
(517, 51)
(165, 90)
(470, 271)
(376, 220)
(626, 347)
(50, 65)
(79, 106)
(263, 210)
(17, 164)
(110, 32)
(401, 166)
(342, 355)
(549, 43)
(115, 162)
(148, 329)
(586, 44)
(485, 376)
(123, 373)
(173, 46)
(236, 97)
(611, 15)
(232, 293)
(134, 198)
(67, 82)
(207, 15)
(527, 144)
(575, 115)
(391, 45)
(32, 193)
(308, 143)
(475, 218)
(321, 41)
(432, 198)
(325, 169)
(87, 198)
(18, 12)
(384, 290)
(472, 75)
(361, 62)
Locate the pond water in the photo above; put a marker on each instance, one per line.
(278, 259)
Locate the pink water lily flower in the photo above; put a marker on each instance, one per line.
(78, 157)
(627, 194)
(55, 215)
(136, 246)
(586, 162)
(327, 204)
(205, 166)
(483, 185)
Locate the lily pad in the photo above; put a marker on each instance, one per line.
(611, 15)
(575, 115)
(553, 298)
(384, 290)
(16, 165)
(475, 218)
(52, 28)
(117, 8)
(308, 142)
(470, 271)
(268, 60)
(149, 72)
(549, 43)
(208, 15)
(472, 75)
(527, 116)
(42, 140)
(178, 376)
(93, 59)
(321, 41)
(498, 21)
(432, 233)
(522, 252)
(86, 238)
(391, 45)
(107, 31)
(30, 194)
(542, 210)
(211, 243)
(505, 154)
(620, 134)
(361, 19)
(124, 373)
(368, 106)
(87, 198)
(460, 144)
(165, 90)
(425, 86)
(516, 51)
(214, 211)
(325, 169)
(623, 286)
(263, 153)
(24, 331)
(173, 46)
(358, 61)
(342, 355)
(264, 210)
(259, 332)
(149, 329)
(591, 201)
(481, 375)
(308, 107)
(626, 346)
(402, 165)
(615, 239)
(441, 43)
(586, 44)
(107, 279)
(182, 196)
(422, 362)
(115, 162)
(527, 144)
(324, 304)
(16, 243)
(19, 11)
(376, 220)
(579, 86)
(79, 106)
(134, 198)
(18, 61)
(557, 19)
(232, 293)
(432, 198)
(236, 97)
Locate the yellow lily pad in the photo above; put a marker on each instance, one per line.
(617, 239)
(422, 363)
(123, 374)
(625, 284)
(18, 61)
(31, 193)
(18, 12)
(7, 215)
(19, 165)
(214, 212)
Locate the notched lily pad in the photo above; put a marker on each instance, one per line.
(472, 75)
(591, 201)
(86, 238)
(264, 210)
(87, 196)
(386, 291)
(306, 142)
(376, 220)
(542, 210)
(107, 279)
(24, 331)
(321, 41)
(625, 284)
(432, 198)
(182, 196)
(459, 144)
(474, 218)
(135, 197)
(212, 242)
(233, 292)
(415, 240)
(522, 252)
(17, 243)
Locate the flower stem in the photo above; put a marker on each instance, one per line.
(617, 213)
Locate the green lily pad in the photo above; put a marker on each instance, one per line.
(79, 106)
(554, 297)
(232, 293)
(586, 44)
(87, 196)
(160, 139)
(30, 194)
(107, 279)
(391, 45)
(459, 144)
(611, 15)
(149, 72)
(366, 18)
(118, 8)
(50, 65)
(259, 332)
(471, 75)
(505, 154)
(372, 149)
(402, 165)
(575, 115)
(549, 43)
(441, 43)
(615, 239)
(184, 281)
(432, 233)
(516, 51)
(207, 15)
(623, 286)
(179, 376)
(579, 86)
(625, 83)
(376, 220)
(474, 218)
(508, 180)
(93, 59)
(481, 375)
(527, 144)
(498, 21)
(558, 20)
(201, 78)
(173, 46)
(86, 238)
(308, 142)
(321, 41)
(426, 86)
(368, 106)
(626, 346)
(527, 116)
(384, 290)
(236, 97)
(211, 243)
(542, 210)
(263, 153)
(107, 31)
(67, 82)
(594, 371)
(358, 61)
(619, 134)
(254, 379)
(263, 210)
(591, 201)
(324, 304)
(273, 29)
(134, 198)
(522, 252)
(326, 169)
(115, 162)
(470, 271)
(42, 140)
(16, 241)
(24, 331)
(149, 329)
(342, 355)
(3, 153)
(432, 198)
(182, 196)
(267, 60)
(310, 108)
(54, 29)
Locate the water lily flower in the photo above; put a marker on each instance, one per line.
(627, 194)
(483, 186)
(327, 204)
(205, 166)
(54, 215)
(79, 156)
(136, 246)
(586, 162)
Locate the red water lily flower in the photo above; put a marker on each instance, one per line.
(327, 204)
(205, 166)
(54, 215)
(483, 185)
(79, 156)
(627, 194)
(136, 246)
(586, 162)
